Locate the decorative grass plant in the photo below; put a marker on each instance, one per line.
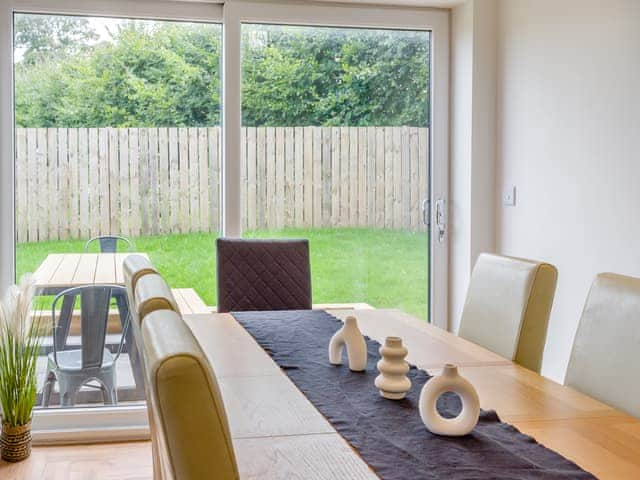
(19, 349)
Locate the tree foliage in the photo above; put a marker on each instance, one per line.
(168, 74)
(41, 36)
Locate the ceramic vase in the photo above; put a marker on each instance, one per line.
(449, 381)
(351, 337)
(393, 382)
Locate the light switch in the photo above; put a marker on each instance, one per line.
(509, 196)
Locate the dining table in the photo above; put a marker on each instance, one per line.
(278, 433)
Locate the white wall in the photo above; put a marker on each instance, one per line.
(569, 138)
(460, 163)
(472, 165)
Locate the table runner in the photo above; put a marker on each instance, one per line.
(389, 435)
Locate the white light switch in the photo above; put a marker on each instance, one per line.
(509, 196)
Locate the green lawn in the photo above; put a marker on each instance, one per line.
(384, 268)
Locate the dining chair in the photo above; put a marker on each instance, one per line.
(152, 293)
(605, 358)
(74, 368)
(136, 268)
(109, 243)
(263, 275)
(508, 306)
(190, 423)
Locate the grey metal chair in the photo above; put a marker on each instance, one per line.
(109, 243)
(74, 368)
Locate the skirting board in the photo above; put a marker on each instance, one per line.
(90, 425)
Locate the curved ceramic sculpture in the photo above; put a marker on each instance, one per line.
(449, 381)
(393, 382)
(351, 337)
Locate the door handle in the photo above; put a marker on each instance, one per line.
(426, 212)
(441, 218)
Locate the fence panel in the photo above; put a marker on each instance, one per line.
(75, 183)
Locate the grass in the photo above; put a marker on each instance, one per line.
(384, 268)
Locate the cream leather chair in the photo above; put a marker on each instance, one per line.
(152, 293)
(507, 307)
(193, 432)
(605, 359)
(135, 268)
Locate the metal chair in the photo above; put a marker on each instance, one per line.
(74, 368)
(109, 243)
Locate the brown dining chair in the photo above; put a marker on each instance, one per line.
(258, 275)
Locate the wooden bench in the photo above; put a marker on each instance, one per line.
(315, 306)
(187, 298)
(189, 301)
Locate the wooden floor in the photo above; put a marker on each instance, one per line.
(117, 461)
(599, 438)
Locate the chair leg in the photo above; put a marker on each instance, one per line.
(68, 398)
(109, 395)
(48, 389)
(68, 390)
(109, 391)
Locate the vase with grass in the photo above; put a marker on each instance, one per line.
(19, 349)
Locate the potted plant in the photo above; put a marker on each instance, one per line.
(19, 348)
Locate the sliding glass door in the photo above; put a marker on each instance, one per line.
(117, 139)
(335, 148)
(170, 123)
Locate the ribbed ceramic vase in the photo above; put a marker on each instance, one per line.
(351, 338)
(15, 442)
(449, 381)
(393, 382)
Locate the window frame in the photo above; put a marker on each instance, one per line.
(436, 21)
(130, 422)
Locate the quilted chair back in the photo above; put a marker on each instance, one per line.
(263, 275)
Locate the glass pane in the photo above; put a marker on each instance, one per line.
(335, 149)
(117, 133)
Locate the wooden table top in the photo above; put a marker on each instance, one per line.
(65, 270)
(278, 433)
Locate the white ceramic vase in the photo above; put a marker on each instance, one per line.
(351, 337)
(449, 381)
(393, 382)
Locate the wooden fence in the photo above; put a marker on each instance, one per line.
(75, 183)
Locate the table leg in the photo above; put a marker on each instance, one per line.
(132, 349)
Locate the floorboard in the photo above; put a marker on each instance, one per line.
(116, 461)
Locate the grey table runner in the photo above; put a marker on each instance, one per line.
(389, 435)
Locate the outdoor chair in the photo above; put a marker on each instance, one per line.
(74, 368)
(263, 275)
(109, 243)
